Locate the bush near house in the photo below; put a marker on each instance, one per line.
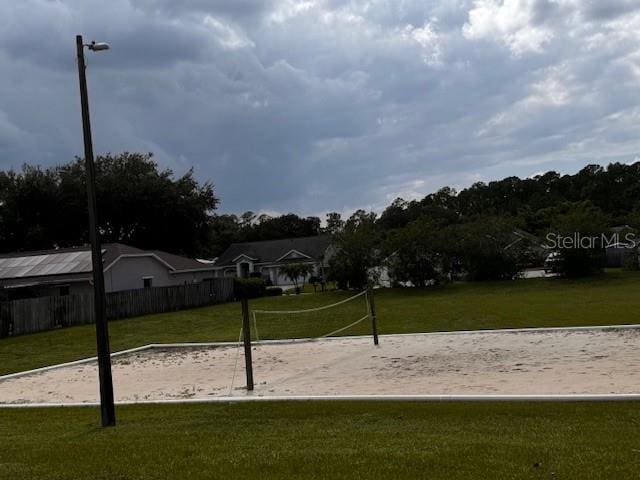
(249, 287)
(273, 292)
(630, 261)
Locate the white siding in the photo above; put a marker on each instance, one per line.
(127, 274)
(191, 277)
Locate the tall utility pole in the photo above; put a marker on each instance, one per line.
(246, 331)
(107, 406)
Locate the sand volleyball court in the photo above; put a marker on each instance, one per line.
(561, 361)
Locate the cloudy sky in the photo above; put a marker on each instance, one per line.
(320, 105)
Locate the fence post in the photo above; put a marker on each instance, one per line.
(246, 332)
(372, 314)
(5, 319)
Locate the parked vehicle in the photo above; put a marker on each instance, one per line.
(552, 263)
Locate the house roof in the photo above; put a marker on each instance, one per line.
(41, 264)
(622, 228)
(273, 250)
(180, 263)
(72, 261)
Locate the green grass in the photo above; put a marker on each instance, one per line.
(336, 440)
(613, 298)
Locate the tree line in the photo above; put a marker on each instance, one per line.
(139, 204)
(486, 231)
(492, 231)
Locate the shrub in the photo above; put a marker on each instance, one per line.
(248, 287)
(630, 261)
(274, 292)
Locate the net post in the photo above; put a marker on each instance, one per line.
(372, 314)
(246, 332)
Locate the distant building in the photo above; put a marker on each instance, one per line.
(268, 257)
(617, 253)
(69, 271)
(621, 246)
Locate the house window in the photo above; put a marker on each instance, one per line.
(147, 282)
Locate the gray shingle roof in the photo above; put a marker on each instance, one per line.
(182, 263)
(271, 250)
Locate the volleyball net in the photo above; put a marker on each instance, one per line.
(355, 315)
(352, 316)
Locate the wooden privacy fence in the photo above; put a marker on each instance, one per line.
(32, 315)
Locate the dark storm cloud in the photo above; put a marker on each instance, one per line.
(237, 9)
(601, 10)
(311, 106)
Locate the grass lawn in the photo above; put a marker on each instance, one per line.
(334, 440)
(325, 441)
(613, 298)
(308, 288)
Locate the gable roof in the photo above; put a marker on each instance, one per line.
(179, 263)
(77, 260)
(271, 251)
(294, 255)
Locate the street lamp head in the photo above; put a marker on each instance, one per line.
(97, 47)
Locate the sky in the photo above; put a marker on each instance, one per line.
(326, 105)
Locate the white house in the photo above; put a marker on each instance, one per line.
(268, 257)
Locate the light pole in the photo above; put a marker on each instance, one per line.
(107, 406)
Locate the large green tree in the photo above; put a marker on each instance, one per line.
(417, 254)
(579, 236)
(356, 250)
(487, 248)
(249, 227)
(138, 204)
(30, 209)
(283, 226)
